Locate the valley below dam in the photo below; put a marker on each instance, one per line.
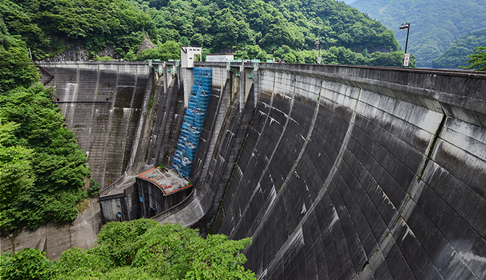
(336, 172)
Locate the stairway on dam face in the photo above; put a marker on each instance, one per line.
(336, 172)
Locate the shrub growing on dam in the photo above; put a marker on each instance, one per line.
(140, 249)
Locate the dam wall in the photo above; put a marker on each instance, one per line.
(361, 173)
(103, 104)
(336, 172)
(160, 128)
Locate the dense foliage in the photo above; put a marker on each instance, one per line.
(42, 170)
(333, 55)
(435, 24)
(256, 29)
(140, 249)
(49, 26)
(164, 52)
(15, 65)
(477, 60)
(455, 55)
(346, 35)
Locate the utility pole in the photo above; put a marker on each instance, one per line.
(407, 56)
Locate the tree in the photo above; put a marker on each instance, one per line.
(477, 60)
(197, 40)
(15, 66)
(59, 166)
(16, 174)
(139, 249)
(183, 41)
(28, 263)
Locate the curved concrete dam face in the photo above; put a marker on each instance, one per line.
(339, 172)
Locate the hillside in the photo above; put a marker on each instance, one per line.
(256, 29)
(435, 24)
(456, 54)
(87, 29)
(221, 25)
(51, 27)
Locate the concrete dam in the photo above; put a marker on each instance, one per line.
(336, 172)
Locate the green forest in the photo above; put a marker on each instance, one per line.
(435, 24)
(43, 173)
(139, 249)
(252, 29)
(456, 54)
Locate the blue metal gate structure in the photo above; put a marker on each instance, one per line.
(193, 121)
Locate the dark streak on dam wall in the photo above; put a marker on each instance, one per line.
(337, 172)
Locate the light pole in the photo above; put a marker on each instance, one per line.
(407, 56)
(318, 47)
(406, 26)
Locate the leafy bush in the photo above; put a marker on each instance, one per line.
(59, 166)
(94, 188)
(42, 169)
(139, 249)
(477, 60)
(15, 65)
(166, 51)
(28, 263)
(104, 58)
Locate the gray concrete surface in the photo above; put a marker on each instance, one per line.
(336, 172)
(56, 238)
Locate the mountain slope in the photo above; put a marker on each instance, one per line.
(435, 24)
(346, 35)
(269, 24)
(456, 54)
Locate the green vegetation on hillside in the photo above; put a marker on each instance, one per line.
(477, 60)
(435, 24)
(333, 55)
(164, 52)
(256, 29)
(456, 54)
(140, 249)
(42, 170)
(346, 35)
(49, 26)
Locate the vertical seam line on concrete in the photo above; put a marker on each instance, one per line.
(331, 173)
(259, 135)
(168, 98)
(271, 157)
(93, 109)
(415, 190)
(214, 133)
(286, 182)
(134, 149)
(221, 205)
(130, 118)
(108, 128)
